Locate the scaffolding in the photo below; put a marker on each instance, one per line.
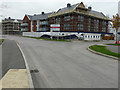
(10, 26)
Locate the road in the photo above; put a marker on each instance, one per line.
(67, 64)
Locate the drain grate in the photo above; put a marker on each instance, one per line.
(34, 71)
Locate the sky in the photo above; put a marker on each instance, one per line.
(18, 8)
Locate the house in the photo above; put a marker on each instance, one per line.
(35, 23)
(11, 26)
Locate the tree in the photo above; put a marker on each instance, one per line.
(116, 23)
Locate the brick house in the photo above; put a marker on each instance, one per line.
(35, 23)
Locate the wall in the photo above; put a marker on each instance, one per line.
(87, 36)
(73, 23)
(29, 23)
(90, 36)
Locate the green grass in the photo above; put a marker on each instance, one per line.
(1, 41)
(113, 44)
(62, 40)
(104, 50)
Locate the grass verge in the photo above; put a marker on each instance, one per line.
(113, 44)
(104, 50)
(62, 40)
(1, 41)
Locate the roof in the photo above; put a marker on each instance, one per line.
(96, 13)
(11, 20)
(79, 5)
(30, 17)
(66, 9)
(39, 16)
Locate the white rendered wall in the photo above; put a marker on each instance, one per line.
(91, 36)
(87, 36)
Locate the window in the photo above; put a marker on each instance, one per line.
(103, 29)
(52, 20)
(80, 27)
(88, 27)
(103, 23)
(89, 20)
(66, 26)
(66, 18)
(89, 24)
(57, 20)
(88, 36)
(80, 18)
(96, 25)
(97, 22)
(96, 29)
(43, 23)
(71, 17)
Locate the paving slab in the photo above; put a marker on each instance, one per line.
(15, 78)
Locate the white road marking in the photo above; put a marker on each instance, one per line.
(27, 67)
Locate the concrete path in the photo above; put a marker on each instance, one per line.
(11, 57)
(15, 78)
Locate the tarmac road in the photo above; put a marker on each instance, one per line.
(68, 64)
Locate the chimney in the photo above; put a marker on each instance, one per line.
(68, 5)
(43, 13)
(9, 18)
(89, 8)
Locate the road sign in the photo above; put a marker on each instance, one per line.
(55, 27)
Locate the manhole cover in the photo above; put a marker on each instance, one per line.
(34, 71)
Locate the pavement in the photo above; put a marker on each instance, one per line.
(12, 67)
(14, 79)
(68, 64)
(11, 57)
